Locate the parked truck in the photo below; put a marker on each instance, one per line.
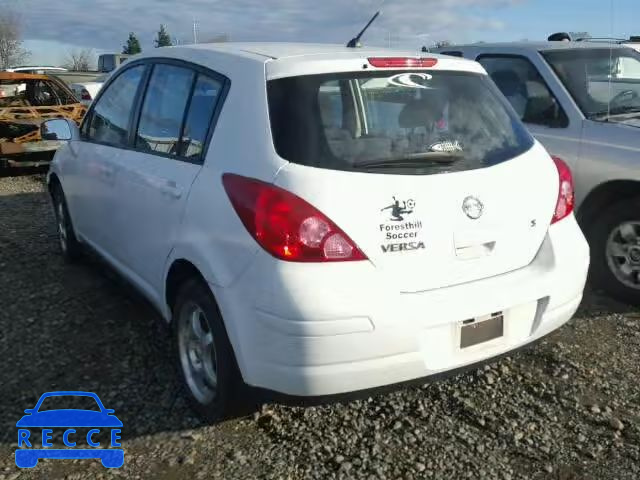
(107, 62)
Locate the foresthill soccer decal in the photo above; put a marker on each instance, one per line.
(400, 233)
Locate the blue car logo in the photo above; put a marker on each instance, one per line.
(69, 419)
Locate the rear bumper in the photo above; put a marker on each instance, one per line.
(324, 330)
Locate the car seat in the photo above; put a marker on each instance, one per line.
(513, 88)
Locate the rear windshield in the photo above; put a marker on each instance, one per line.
(398, 122)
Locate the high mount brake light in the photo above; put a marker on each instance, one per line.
(402, 62)
(285, 225)
(566, 197)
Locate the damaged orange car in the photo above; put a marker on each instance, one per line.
(25, 102)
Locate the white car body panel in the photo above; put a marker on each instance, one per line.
(344, 328)
(324, 328)
(37, 69)
(495, 243)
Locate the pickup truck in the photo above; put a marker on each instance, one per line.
(581, 100)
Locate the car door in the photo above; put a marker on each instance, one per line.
(156, 176)
(91, 176)
(533, 98)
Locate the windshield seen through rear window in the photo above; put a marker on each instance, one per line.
(400, 122)
(602, 81)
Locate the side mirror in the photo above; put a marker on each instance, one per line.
(29, 411)
(109, 411)
(60, 129)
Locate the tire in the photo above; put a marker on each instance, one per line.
(607, 242)
(69, 246)
(212, 403)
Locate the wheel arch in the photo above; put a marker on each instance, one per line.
(602, 196)
(53, 181)
(179, 271)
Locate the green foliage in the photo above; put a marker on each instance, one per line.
(163, 39)
(133, 45)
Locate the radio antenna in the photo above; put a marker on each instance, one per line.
(355, 42)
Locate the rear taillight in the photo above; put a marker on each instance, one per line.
(402, 62)
(566, 199)
(285, 225)
(85, 95)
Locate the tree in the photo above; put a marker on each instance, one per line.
(163, 39)
(11, 51)
(133, 45)
(80, 60)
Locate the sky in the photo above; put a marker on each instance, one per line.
(53, 28)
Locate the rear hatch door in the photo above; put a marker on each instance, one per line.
(431, 174)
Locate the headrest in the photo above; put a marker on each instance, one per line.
(508, 82)
(420, 113)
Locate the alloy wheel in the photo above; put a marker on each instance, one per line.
(623, 253)
(197, 353)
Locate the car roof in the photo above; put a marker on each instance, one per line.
(284, 50)
(75, 393)
(536, 46)
(35, 67)
(281, 59)
(7, 76)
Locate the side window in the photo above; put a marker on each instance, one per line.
(64, 98)
(382, 109)
(521, 83)
(163, 109)
(109, 120)
(40, 94)
(330, 102)
(203, 103)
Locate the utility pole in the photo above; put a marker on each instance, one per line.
(195, 30)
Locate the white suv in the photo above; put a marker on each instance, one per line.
(317, 219)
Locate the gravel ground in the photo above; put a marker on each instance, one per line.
(568, 408)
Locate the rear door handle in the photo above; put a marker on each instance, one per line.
(172, 189)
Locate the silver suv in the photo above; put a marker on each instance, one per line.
(581, 100)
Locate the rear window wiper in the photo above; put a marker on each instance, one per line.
(412, 160)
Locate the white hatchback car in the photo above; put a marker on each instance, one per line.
(317, 219)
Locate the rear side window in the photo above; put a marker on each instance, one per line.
(519, 80)
(110, 119)
(405, 122)
(163, 109)
(203, 103)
